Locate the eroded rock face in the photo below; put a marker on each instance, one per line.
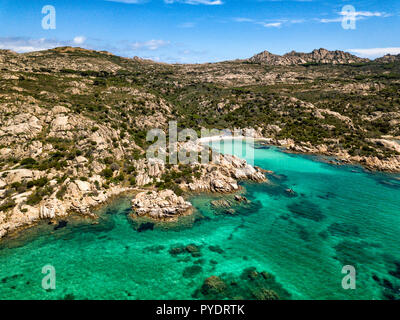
(222, 177)
(317, 56)
(77, 199)
(148, 170)
(19, 175)
(160, 205)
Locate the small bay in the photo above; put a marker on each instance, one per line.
(335, 216)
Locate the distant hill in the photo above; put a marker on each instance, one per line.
(389, 59)
(318, 56)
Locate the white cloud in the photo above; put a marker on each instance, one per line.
(79, 40)
(129, 1)
(271, 24)
(366, 14)
(19, 44)
(358, 15)
(277, 23)
(330, 20)
(196, 2)
(375, 52)
(243, 20)
(150, 45)
(187, 25)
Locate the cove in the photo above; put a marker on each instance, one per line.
(294, 244)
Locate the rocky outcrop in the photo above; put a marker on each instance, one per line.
(80, 197)
(389, 164)
(148, 171)
(20, 175)
(160, 205)
(320, 56)
(389, 58)
(374, 163)
(223, 175)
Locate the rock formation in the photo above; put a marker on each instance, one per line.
(320, 56)
(160, 205)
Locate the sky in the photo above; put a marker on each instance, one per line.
(198, 31)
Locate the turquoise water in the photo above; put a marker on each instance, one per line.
(338, 216)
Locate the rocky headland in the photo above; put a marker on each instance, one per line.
(220, 176)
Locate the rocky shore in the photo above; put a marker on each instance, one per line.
(220, 176)
(372, 163)
(79, 201)
(82, 196)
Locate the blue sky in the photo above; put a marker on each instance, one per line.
(189, 31)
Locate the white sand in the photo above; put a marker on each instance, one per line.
(220, 138)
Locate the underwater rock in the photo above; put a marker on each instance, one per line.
(193, 250)
(190, 272)
(250, 285)
(306, 209)
(145, 226)
(350, 252)
(61, 224)
(216, 249)
(176, 250)
(222, 203)
(250, 273)
(14, 277)
(69, 296)
(213, 286)
(290, 192)
(389, 290)
(265, 294)
(239, 198)
(396, 273)
(265, 275)
(230, 212)
(343, 229)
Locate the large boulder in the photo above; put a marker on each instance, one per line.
(19, 175)
(160, 205)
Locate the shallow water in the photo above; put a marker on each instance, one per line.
(338, 216)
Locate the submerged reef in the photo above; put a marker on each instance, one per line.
(249, 285)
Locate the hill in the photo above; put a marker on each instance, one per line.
(73, 122)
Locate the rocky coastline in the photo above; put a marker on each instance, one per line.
(55, 210)
(220, 177)
(83, 197)
(341, 157)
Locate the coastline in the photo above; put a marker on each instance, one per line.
(14, 231)
(372, 164)
(112, 196)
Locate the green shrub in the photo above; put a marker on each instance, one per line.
(107, 173)
(7, 205)
(60, 194)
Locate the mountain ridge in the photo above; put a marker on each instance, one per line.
(319, 56)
